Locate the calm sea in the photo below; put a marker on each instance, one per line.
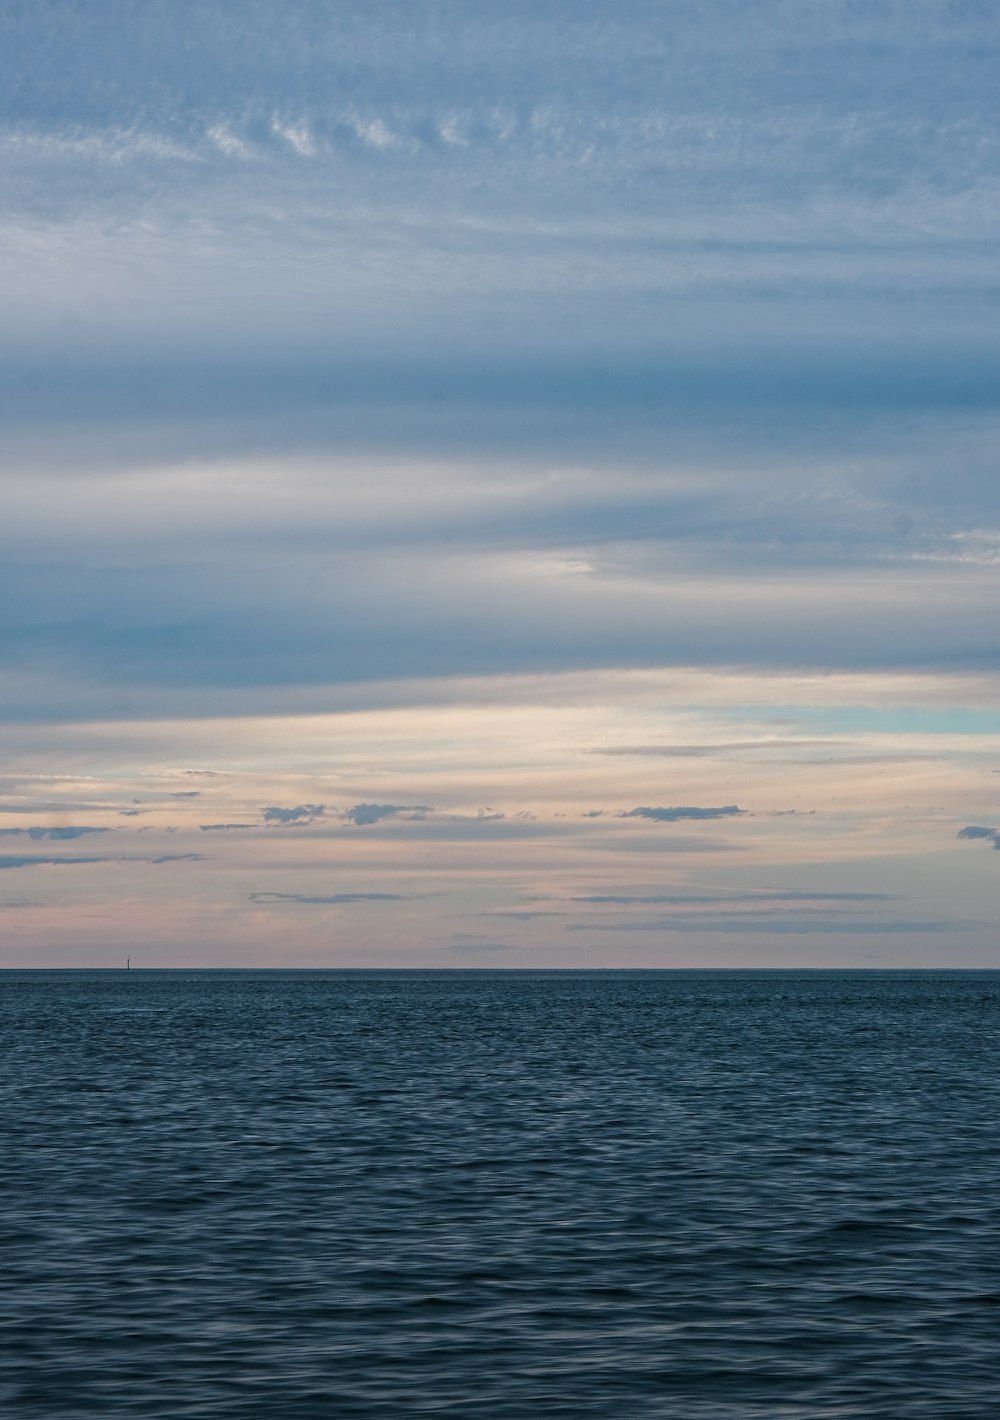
(689, 1195)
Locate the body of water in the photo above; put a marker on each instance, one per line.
(515, 1195)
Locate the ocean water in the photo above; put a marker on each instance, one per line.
(694, 1195)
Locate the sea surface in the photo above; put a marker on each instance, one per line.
(515, 1195)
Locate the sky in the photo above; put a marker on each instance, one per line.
(499, 485)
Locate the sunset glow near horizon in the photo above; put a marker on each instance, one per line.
(500, 486)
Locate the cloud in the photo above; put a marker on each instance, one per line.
(421, 824)
(159, 633)
(266, 899)
(776, 926)
(676, 815)
(515, 915)
(52, 808)
(661, 843)
(779, 218)
(975, 830)
(469, 949)
(749, 896)
(707, 751)
(561, 345)
(362, 814)
(186, 794)
(11, 860)
(51, 833)
(301, 814)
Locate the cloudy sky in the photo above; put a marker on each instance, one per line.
(500, 484)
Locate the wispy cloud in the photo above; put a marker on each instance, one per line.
(708, 751)
(677, 815)
(363, 814)
(24, 860)
(271, 899)
(473, 948)
(975, 830)
(562, 411)
(776, 926)
(300, 814)
(749, 896)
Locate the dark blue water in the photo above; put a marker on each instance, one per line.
(502, 1194)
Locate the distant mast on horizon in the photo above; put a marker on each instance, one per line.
(128, 963)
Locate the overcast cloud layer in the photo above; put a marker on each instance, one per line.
(514, 453)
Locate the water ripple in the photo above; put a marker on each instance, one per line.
(680, 1196)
